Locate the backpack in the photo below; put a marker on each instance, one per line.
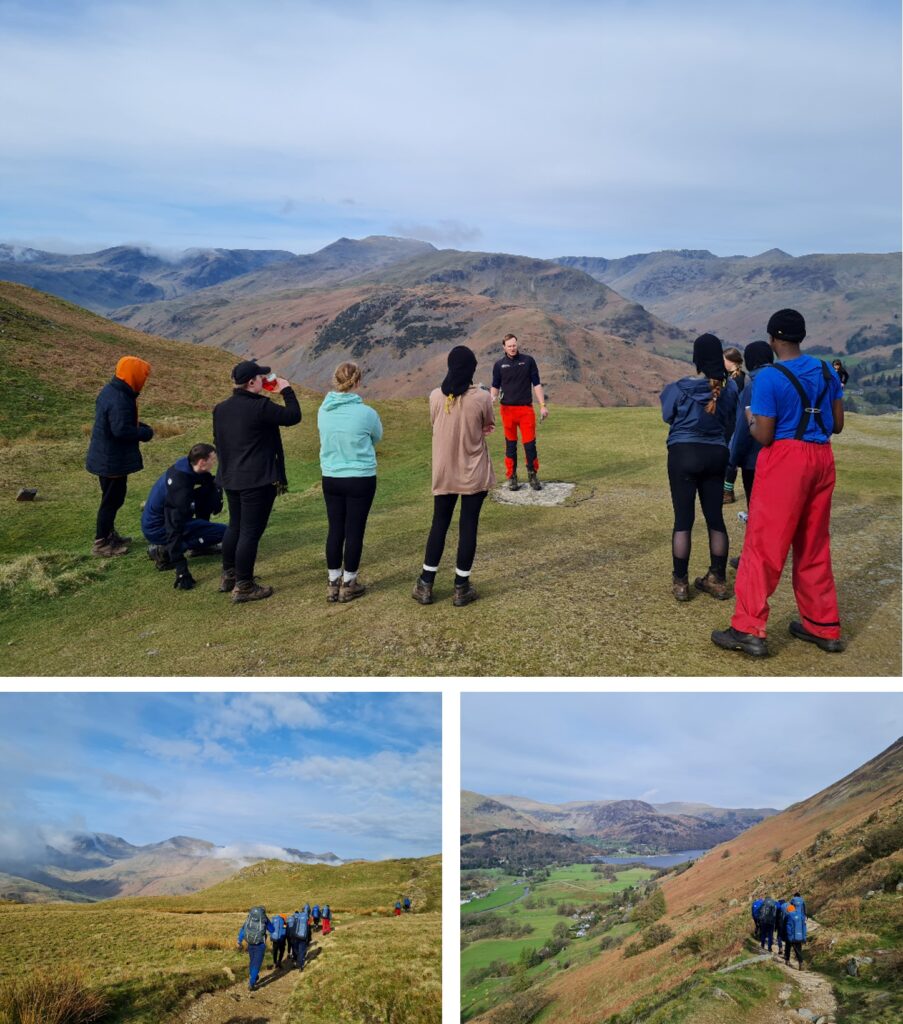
(767, 913)
(757, 909)
(256, 926)
(327, 913)
(279, 928)
(407, 903)
(316, 911)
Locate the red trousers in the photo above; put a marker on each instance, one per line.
(790, 507)
(521, 417)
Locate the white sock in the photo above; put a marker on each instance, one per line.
(461, 572)
(334, 575)
(348, 577)
(430, 568)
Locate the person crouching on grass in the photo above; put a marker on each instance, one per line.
(348, 431)
(462, 416)
(797, 405)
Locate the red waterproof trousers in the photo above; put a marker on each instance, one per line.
(521, 417)
(790, 507)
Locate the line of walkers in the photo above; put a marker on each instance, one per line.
(247, 462)
(777, 433)
(293, 932)
(784, 920)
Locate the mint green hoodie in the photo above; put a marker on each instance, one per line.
(348, 431)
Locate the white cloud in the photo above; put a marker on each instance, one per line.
(382, 773)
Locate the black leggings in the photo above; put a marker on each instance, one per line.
(348, 500)
(749, 475)
(112, 498)
(697, 468)
(443, 507)
(249, 513)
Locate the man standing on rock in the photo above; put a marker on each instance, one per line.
(514, 379)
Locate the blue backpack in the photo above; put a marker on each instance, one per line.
(327, 913)
(756, 907)
(300, 929)
(279, 928)
(316, 910)
(795, 926)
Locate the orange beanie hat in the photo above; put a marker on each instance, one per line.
(133, 371)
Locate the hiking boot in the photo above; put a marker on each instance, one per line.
(832, 646)
(350, 590)
(422, 592)
(212, 549)
(735, 562)
(120, 540)
(227, 581)
(534, 481)
(464, 595)
(332, 589)
(680, 588)
(728, 497)
(513, 485)
(106, 547)
(710, 584)
(250, 590)
(733, 640)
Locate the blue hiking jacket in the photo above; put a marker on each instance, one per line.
(683, 408)
(348, 431)
(744, 447)
(190, 496)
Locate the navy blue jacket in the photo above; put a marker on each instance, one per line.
(177, 497)
(113, 450)
(744, 447)
(683, 408)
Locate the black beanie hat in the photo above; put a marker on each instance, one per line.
(756, 354)
(787, 325)
(462, 365)
(708, 356)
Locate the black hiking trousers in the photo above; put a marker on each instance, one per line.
(443, 507)
(278, 951)
(797, 948)
(112, 498)
(697, 468)
(249, 513)
(348, 501)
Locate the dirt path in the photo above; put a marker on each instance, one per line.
(265, 1005)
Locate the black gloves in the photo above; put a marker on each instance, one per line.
(184, 579)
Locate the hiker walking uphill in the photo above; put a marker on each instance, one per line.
(327, 920)
(251, 470)
(700, 413)
(348, 431)
(462, 416)
(733, 364)
(407, 904)
(797, 405)
(254, 931)
(766, 923)
(756, 910)
(794, 930)
(113, 452)
(176, 516)
(299, 936)
(514, 379)
(280, 938)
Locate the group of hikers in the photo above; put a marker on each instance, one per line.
(246, 461)
(293, 932)
(784, 920)
(772, 422)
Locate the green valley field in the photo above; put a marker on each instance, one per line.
(148, 960)
(588, 582)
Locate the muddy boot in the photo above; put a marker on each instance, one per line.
(513, 485)
(106, 547)
(680, 588)
(250, 590)
(120, 540)
(350, 590)
(332, 589)
(464, 595)
(227, 581)
(534, 481)
(711, 585)
(422, 592)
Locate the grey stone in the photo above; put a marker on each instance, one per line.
(719, 993)
(805, 1014)
(552, 493)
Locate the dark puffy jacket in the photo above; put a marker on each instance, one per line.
(683, 407)
(113, 450)
(247, 439)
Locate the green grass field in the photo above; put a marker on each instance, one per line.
(576, 885)
(150, 955)
(589, 581)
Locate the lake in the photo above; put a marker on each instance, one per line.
(661, 860)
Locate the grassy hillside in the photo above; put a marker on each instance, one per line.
(590, 580)
(842, 849)
(149, 956)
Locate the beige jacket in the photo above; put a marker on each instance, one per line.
(461, 463)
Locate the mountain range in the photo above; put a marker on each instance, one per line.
(94, 865)
(633, 826)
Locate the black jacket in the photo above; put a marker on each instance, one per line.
(113, 450)
(247, 439)
(188, 496)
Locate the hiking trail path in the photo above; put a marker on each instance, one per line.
(266, 1005)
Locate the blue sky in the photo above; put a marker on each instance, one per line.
(355, 774)
(578, 128)
(729, 750)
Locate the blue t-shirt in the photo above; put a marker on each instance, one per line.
(775, 396)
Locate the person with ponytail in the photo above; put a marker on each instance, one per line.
(733, 364)
(700, 412)
(462, 416)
